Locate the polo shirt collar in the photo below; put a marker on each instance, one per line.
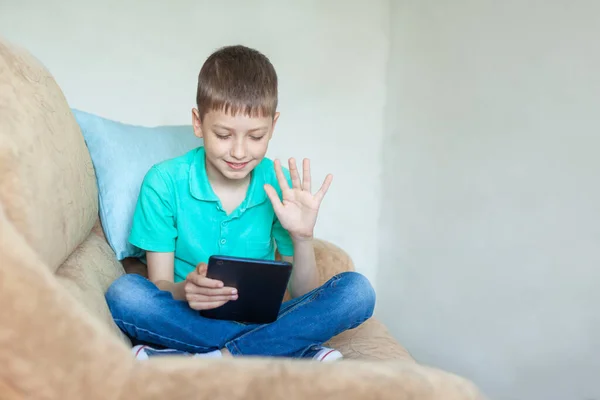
(199, 185)
(201, 189)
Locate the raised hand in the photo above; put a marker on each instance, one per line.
(297, 211)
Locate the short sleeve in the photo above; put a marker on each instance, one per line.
(284, 243)
(153, 227)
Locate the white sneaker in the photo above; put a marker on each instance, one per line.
(325, 354)
(143, 352)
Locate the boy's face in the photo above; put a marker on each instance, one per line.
(234, 144)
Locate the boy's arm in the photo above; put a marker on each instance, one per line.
(296, 213)
(305, 276)
(161, 268)
(153, 229)
(300, 253)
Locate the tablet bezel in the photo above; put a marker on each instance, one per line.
(261, 286)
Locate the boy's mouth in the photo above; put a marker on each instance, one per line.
(236, 166)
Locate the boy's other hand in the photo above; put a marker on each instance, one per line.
(203, 293)
(298, 209)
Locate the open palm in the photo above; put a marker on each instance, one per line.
(298, 209)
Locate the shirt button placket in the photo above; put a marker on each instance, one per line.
(223, 240)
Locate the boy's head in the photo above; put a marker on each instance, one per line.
(237, 110)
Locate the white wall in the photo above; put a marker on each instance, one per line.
(491, 198)
(137, 61)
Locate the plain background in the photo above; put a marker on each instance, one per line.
(490, 224)
(463, 136)
(138, 62)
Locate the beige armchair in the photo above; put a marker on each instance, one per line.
(57, 338)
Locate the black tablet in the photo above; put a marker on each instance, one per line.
(261, 285)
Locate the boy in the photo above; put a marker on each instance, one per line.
(227, 198)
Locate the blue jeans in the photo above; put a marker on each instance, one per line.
(149, 315)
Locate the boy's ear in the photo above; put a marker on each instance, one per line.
(197, 123)
(275, 118)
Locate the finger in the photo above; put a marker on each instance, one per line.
(283, 184)
(226, 291)
(274, 197)
(203, 281)
(294, 174)
(324, 187)
(206, 305)
(199, 298)
(306, 175)
(202, 268)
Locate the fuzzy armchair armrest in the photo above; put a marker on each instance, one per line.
(53, 349)
(371, 340)
(331, 260)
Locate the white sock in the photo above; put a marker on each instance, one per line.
(210, 354)
(141, 352)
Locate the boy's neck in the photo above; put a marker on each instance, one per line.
(231, 193)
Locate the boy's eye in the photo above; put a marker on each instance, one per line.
(222, 137)
(257, 138)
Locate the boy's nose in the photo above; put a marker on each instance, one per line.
(238, 151)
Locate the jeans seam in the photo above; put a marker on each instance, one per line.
(306, 301)
(306, 349)
(160, 336)
(232, 346)
(312, 298)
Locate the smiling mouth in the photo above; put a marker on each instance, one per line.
(236, 166)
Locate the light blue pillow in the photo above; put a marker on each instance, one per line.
(122, 154)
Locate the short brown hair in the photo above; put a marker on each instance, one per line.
(237, 79)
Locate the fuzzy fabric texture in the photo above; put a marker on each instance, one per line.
(47, 178)
(57, 338)
(52, 348)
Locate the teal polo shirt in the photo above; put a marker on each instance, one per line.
(178, 211)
